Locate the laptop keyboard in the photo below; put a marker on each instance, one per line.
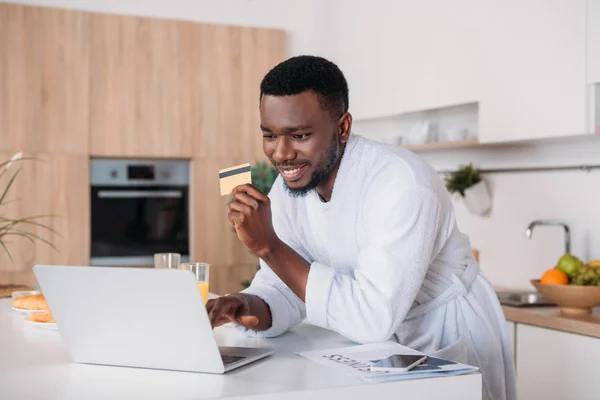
(231, 359)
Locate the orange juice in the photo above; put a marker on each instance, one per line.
(203, 286)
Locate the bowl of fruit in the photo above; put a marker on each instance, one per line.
(572, 285)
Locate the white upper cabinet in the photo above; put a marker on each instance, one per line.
(402, 56)
(593, 41)
(593, 63)
(533, 69)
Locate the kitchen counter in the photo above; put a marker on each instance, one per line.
(550, 317)
(34, 364)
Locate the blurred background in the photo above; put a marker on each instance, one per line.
(131, 107)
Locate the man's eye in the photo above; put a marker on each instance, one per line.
(301, 137)
(269, 137)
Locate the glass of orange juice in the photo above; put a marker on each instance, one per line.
(201, 271)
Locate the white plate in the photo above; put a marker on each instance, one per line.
(46, 325)
(28, 311)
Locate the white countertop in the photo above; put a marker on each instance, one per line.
(34, 364)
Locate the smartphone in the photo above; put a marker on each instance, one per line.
(398, 362)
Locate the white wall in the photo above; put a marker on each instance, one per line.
(507, 257)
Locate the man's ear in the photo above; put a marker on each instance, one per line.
(345, 127)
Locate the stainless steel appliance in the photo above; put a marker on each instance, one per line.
(139, 208)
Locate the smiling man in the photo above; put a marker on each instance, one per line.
(358, 237)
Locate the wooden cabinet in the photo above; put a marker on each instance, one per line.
(555, 365)
(593, 41)
(141, 91)
(213, 238)
(534, 83)
(229, 64)
(53, 184)
(76, 84)
(44, 79)
(175, 89)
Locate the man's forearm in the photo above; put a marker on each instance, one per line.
(289, 266)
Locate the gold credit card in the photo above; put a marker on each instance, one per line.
(231, 177)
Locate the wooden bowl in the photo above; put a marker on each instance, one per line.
(571, 299)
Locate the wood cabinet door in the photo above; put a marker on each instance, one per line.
(213, 238)
(141, 93)
(53, 184)
(555, 365)
(534, 83)
(44, 79)
(230, 62)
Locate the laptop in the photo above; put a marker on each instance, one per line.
(137, 317)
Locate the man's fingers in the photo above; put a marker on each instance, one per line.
(245, 199)
(241, 208)
(235, 218)
(219, 311)
(209, 305)
(224, 310)
(252, 192)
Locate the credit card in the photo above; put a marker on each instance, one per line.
(231, 177)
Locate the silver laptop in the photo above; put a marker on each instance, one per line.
(136, 317)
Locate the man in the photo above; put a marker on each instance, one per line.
(358, 237)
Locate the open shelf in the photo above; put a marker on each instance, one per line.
(442, 145)
(452, 126)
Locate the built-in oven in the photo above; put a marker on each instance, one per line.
(138, 208)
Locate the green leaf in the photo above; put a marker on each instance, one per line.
(30, 235)
(462, 179)
(12, 179)
(6, 250)
(27, 221)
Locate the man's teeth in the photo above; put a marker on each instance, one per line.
(291, 171)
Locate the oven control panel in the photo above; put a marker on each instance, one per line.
(106, 172)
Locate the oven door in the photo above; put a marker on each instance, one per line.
(130, 224)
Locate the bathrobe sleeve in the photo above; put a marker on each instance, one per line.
(287, 309)
(402, 222)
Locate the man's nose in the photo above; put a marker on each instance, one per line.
(284, 151)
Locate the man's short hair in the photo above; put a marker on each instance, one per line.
(309, 73)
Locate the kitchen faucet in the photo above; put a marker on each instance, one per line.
(529, 230)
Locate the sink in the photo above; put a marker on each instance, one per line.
(523, 299)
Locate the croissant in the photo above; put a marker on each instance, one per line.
(41, 317)
(31, 302)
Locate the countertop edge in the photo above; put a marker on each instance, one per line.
(550, 317)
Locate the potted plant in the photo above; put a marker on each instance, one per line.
(468, 183)
(17, 227)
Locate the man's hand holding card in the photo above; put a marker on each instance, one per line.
(250, 210)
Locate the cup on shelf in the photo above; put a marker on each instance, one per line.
(455, 134)
(167, 260)
(201, 271)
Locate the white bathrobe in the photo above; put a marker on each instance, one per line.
(387, 261)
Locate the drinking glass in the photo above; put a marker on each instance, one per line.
(167, 260)
(201, 272)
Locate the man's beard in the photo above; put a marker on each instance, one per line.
(323, 170)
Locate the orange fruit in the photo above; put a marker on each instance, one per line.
(555, 276)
